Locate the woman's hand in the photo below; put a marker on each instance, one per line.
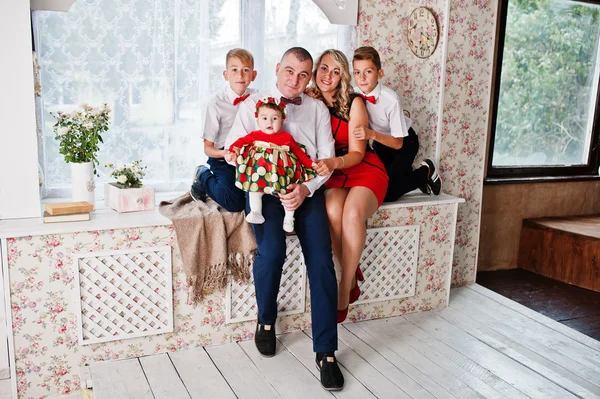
(363, 133)
(323, 167)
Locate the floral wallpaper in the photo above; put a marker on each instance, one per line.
(466, 96)
(44, 309)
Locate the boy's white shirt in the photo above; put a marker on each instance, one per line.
(386, 115)
(309, 124)
(219, 114)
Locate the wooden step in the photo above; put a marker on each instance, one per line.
(563, 248)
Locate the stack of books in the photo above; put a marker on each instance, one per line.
(67, 212)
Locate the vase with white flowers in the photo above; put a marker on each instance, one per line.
(79, 134)
(128, 193)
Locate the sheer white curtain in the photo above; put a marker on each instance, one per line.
(155, 62)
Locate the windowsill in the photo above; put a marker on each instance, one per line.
(538, 179)
(104, 218)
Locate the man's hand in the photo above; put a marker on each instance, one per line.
(295, 196)
(323, 167)
(363, 133)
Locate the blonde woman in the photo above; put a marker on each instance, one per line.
(359, 180)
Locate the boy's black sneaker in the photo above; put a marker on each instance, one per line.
(332, 378)
(196, 190)
(264, 339)
(434, 181)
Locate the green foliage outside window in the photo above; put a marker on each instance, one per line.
(548, 83)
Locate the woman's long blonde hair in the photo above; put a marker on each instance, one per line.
(341, 97)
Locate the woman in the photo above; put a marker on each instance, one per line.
(359, 181)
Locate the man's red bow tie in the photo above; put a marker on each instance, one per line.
(240, 99)
(370, 99)
(295, 101)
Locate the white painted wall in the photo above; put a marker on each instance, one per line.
(4, 324)
(19, 190)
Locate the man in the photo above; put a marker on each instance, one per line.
(308, 121)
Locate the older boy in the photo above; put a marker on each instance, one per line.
(218, 182)
(393, 138)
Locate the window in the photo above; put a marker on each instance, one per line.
(155, 63)
(545, 116)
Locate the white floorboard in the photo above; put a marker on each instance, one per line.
(563, 371)
(286, 374)
(370, 377)
(244, 378)
(410, 387)
(123, 379)
(200, 376)
(481, 346)
(538, 317)
(163, 378)
(300, 345)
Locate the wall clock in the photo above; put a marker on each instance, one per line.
(422, 32)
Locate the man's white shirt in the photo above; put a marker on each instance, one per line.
(219, 115)
(309, 124)
(386, 115)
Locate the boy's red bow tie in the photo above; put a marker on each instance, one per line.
(370, 99)
(295, 101)
(240, 99)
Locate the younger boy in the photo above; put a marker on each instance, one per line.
(218, 182)
(394, 141)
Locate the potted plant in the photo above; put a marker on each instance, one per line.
(128, 194)
(79, 134)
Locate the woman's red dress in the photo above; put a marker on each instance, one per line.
(369, 173)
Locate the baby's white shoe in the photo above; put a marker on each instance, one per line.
(255, 218)
(288, 224)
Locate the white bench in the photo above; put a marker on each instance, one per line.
(407, 263)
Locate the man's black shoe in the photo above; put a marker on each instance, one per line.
(264, 339)
(434, 181)
(196, 190)
(332, 378)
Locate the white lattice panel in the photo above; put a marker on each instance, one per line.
(389, 263)
(124, 294)
(241, 298)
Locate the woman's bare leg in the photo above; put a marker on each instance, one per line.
(334, 202)
(360, 204)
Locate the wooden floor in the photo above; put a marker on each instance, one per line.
(572, 306)
(481, 346)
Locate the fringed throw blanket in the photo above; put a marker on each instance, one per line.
(211, 241)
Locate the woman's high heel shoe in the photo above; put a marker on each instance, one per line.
(358, 274)
(342, 314)
(354, 293)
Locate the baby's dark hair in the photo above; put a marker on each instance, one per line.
(272, 106)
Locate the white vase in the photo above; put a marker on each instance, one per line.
(82, 181)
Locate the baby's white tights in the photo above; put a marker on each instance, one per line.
(256, 217)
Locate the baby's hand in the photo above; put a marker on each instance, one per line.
(323, 167)
(230, 156)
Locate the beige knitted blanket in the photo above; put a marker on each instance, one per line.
(212, 242)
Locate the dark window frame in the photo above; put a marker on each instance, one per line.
(512, 174)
